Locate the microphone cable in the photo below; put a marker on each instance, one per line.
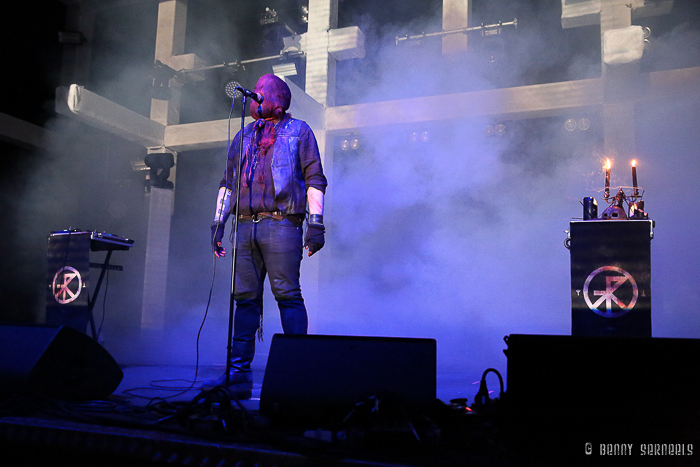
(184, 390)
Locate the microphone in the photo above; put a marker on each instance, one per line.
(253, 95)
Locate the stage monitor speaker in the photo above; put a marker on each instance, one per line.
(599, 378)
(321, 377)
(58, 362)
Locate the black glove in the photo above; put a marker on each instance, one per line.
(315, 238)
(217, 234)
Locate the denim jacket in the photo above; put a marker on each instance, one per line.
(290, 170)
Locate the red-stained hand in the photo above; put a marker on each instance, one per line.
(220, 251)
(315, 238)
(217, 234)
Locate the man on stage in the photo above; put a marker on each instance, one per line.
(281, 174)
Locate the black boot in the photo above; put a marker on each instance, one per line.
(240, 385)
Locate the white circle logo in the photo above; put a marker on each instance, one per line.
(612, 284)
(65, 287)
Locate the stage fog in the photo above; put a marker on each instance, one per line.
(452, 229)
(449, 230)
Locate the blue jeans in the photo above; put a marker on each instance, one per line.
(271, 248)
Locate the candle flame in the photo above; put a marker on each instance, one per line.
(607, 164)
(634, 162)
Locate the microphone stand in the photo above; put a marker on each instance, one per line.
(229, 347)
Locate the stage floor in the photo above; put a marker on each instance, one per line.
(142, 383)
(153, 419)
(126, 430)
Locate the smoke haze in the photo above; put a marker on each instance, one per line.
(433, 230)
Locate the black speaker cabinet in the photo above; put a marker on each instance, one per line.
(602, 378)
(320, 377)
(58, 362)
(574, 400)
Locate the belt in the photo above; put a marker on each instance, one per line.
(258, 216)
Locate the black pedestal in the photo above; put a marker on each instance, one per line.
(611, 277)
(68, 279)
(67, 301)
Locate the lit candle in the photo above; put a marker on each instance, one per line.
(607, 178)
(635, 190)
